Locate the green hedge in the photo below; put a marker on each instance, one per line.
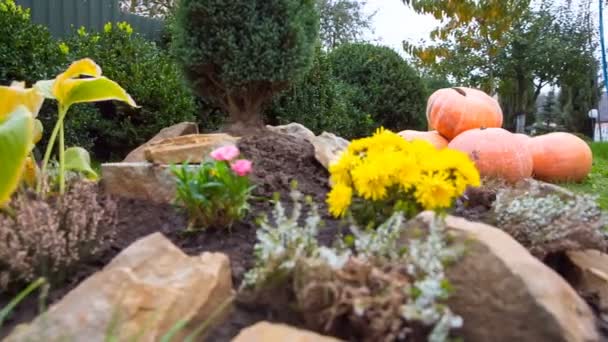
(322, 103)
(27, 51)
(390, 89)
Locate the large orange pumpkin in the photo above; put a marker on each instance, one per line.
(452, 111)
(560, 157)
(497, 153)
(433, 137)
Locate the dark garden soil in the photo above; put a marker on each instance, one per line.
(277, 160)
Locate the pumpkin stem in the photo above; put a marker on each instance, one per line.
(460, 91)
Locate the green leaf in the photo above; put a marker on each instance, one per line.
(45, 88)
(94, 90)
(78, 159)
(15, 141)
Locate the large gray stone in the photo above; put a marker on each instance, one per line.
(503, 293)
(148, 288)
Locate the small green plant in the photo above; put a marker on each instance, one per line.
(216, 193)
(68, 88)
(384, 288)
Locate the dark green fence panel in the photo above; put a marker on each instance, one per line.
(62, 17)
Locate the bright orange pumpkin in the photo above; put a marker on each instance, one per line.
(497, 153)
(433, 137)
(560, 157)
(452, 111)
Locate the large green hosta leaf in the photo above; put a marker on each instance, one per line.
(16, 134)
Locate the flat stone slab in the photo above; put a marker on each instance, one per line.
(193, 148)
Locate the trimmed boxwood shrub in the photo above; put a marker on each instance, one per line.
(390, 89)
(27, 51)
(151, 77)
(238, 54)
(321, 103)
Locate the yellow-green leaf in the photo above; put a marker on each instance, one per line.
(38, 130)
(17, 95)
(93, 90)
(78, 159)
(15, 142)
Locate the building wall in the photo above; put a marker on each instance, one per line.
(62, 17)
(604, 132)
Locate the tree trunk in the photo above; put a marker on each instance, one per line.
(245, 113)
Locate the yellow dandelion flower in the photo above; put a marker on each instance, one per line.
(339, 199)
(370, 181)
(340, 170)
(408, 174)
(434, 191)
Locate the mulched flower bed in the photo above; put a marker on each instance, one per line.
(278, 160)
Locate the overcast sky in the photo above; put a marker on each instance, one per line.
(395, 22)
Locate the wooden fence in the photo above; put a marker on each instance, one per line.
(62, 17)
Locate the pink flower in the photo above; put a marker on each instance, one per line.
(241, 167)
(225, 153)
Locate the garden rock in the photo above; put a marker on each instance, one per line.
(548, 219)
(142, 181)
(587, 272)
(183, 128)
(294, 129)
(503, 293)
(147, 289)
(268, 332)
(193, 148)
(328, 148)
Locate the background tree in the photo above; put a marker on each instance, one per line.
(149, 8)
(390, 89)
(550, 111)
(467, 43)
(238, 54)
(343, 21)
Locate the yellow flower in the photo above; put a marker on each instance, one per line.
(82, 31)
(340, 170)
(435, 191)
(339, 199)
(107, 28)
(370, 181)
(16, 95)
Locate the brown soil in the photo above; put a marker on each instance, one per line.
(277, 160)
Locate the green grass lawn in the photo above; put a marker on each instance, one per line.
(597, 182)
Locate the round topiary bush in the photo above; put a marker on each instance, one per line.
(150, 75)
(390, 89)
(321, 103)
(237, 54)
